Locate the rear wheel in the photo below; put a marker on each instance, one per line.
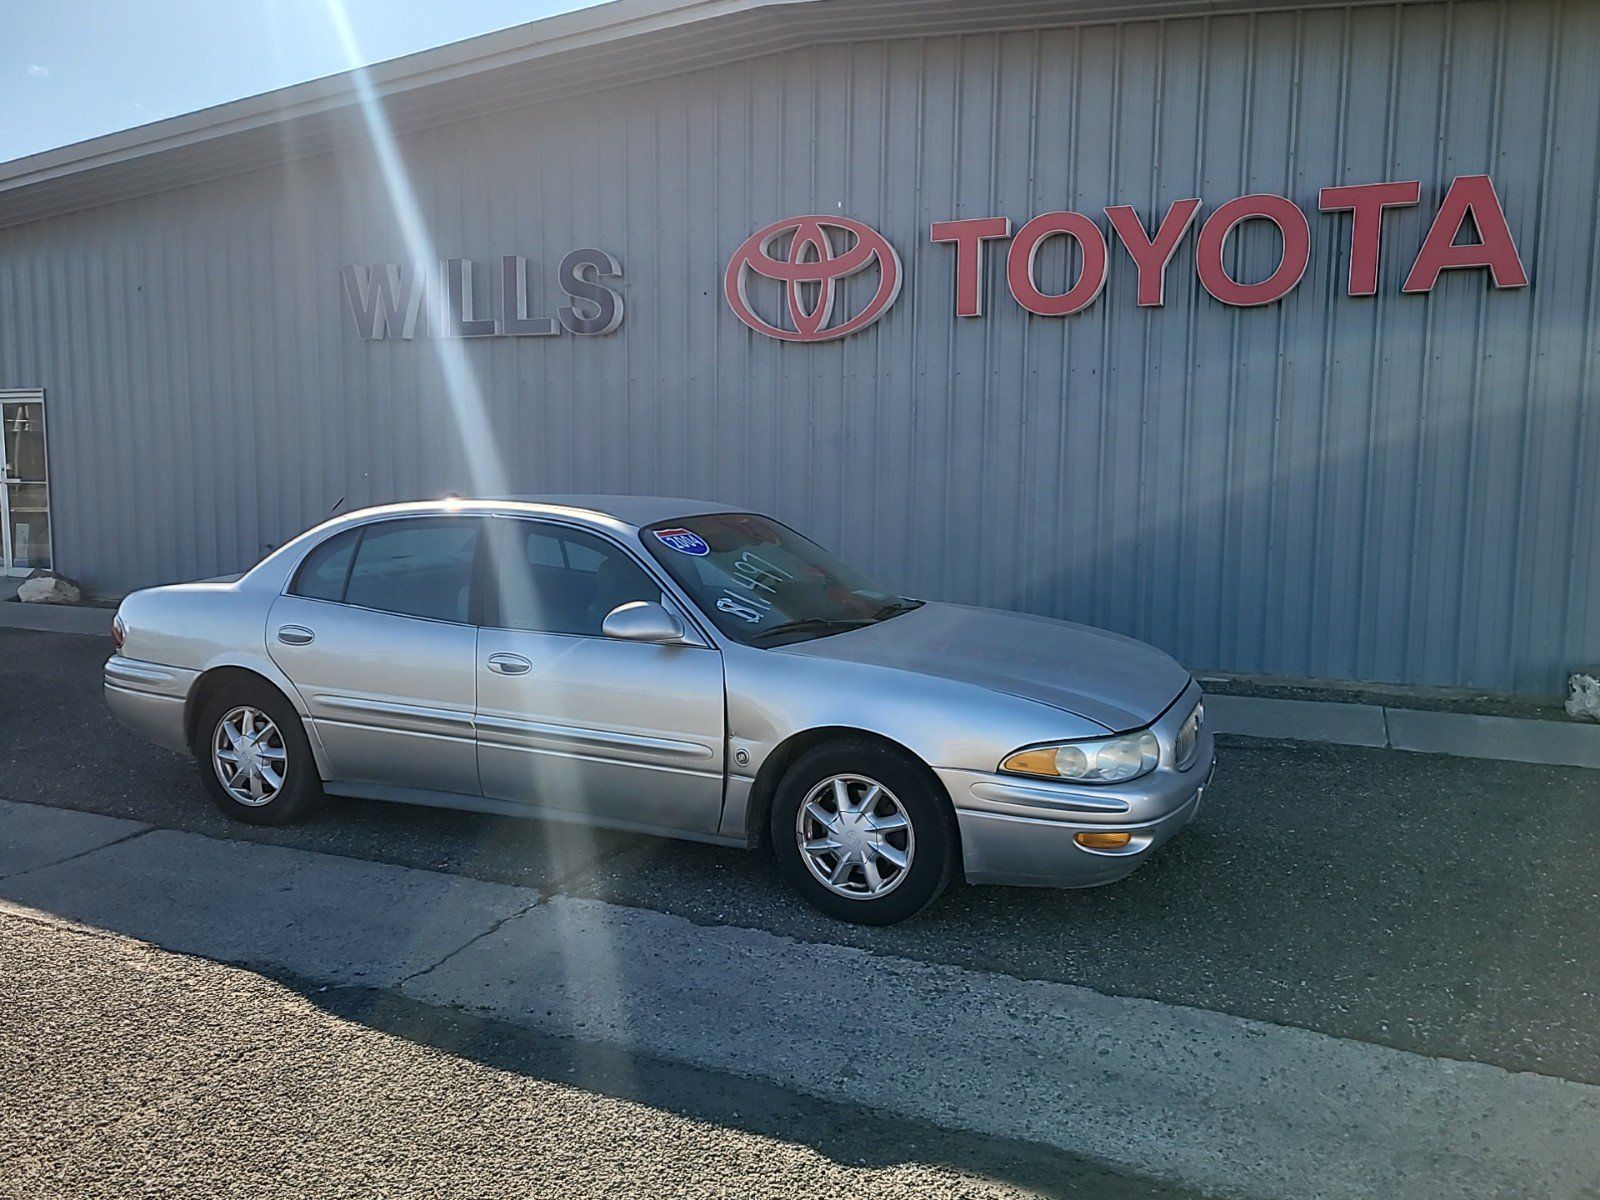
(254, 758)
(864, 832)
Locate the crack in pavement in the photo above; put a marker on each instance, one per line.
(475, 938)
(45, 866)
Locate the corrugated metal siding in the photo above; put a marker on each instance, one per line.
(1399, 489)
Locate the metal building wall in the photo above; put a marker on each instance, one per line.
(1401, 488)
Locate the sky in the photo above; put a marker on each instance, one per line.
(76, 69)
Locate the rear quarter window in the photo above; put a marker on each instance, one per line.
(323, 572)
(420, 567)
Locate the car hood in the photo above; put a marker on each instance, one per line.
(1098, 675)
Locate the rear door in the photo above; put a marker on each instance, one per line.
(375, 631)
(569, 719)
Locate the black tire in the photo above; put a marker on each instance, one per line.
(935, 850)
(301, 791)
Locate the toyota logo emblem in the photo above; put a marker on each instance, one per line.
(810, 272)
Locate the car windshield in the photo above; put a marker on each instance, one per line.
(764, 584)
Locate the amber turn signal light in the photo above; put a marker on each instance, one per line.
(1103, 841)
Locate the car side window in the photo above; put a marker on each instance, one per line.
(323, 572)
(550, 579)
(417, 567)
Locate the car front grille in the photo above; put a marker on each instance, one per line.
(1188, 740)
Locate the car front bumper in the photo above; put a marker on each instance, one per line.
(1022, 831)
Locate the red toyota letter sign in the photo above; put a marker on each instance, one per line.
(1494, 248)
(1019, 264)
(969, 236)
(1366, 202)
(807, 258)
(1291, 223)
(1152, 254)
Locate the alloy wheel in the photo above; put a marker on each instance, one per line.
(249, 756)
(855, 837)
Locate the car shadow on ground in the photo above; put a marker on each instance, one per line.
(842, 1133)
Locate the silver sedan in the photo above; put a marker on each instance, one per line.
(670, 667)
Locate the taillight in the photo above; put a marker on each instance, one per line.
(119, 632)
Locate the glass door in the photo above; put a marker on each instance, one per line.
(24, 484)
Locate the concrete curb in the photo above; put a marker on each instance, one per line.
(1422, 731)
(1297, 720)
(56, 618)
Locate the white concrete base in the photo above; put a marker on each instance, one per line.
(49, 588)
(1583, 694)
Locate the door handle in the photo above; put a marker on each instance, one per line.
(295, 635)
(509, 664)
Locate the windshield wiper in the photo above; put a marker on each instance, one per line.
(895, 607)
(811, 625)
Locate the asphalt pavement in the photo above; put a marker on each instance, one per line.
(1439, 905)
(131, 1071)
(1436, 906)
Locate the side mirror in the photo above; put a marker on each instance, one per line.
(642, 621)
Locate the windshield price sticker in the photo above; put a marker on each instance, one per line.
(753, 614)
(755, 575)
(684, 541)
(757, 572)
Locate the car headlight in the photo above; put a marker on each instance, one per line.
(1101, 760)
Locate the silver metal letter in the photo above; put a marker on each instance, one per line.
(459, 321)
(580, 275)
(385, 301)
(514, 318)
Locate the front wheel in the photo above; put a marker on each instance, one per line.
(863, 832)
(254, 758)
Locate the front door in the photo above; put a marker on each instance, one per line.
(375, 632)
(24, 484)
(629, 733)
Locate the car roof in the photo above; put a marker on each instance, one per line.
(634, 511)
(631, 510)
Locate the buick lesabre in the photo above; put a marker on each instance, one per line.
(669, 667)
